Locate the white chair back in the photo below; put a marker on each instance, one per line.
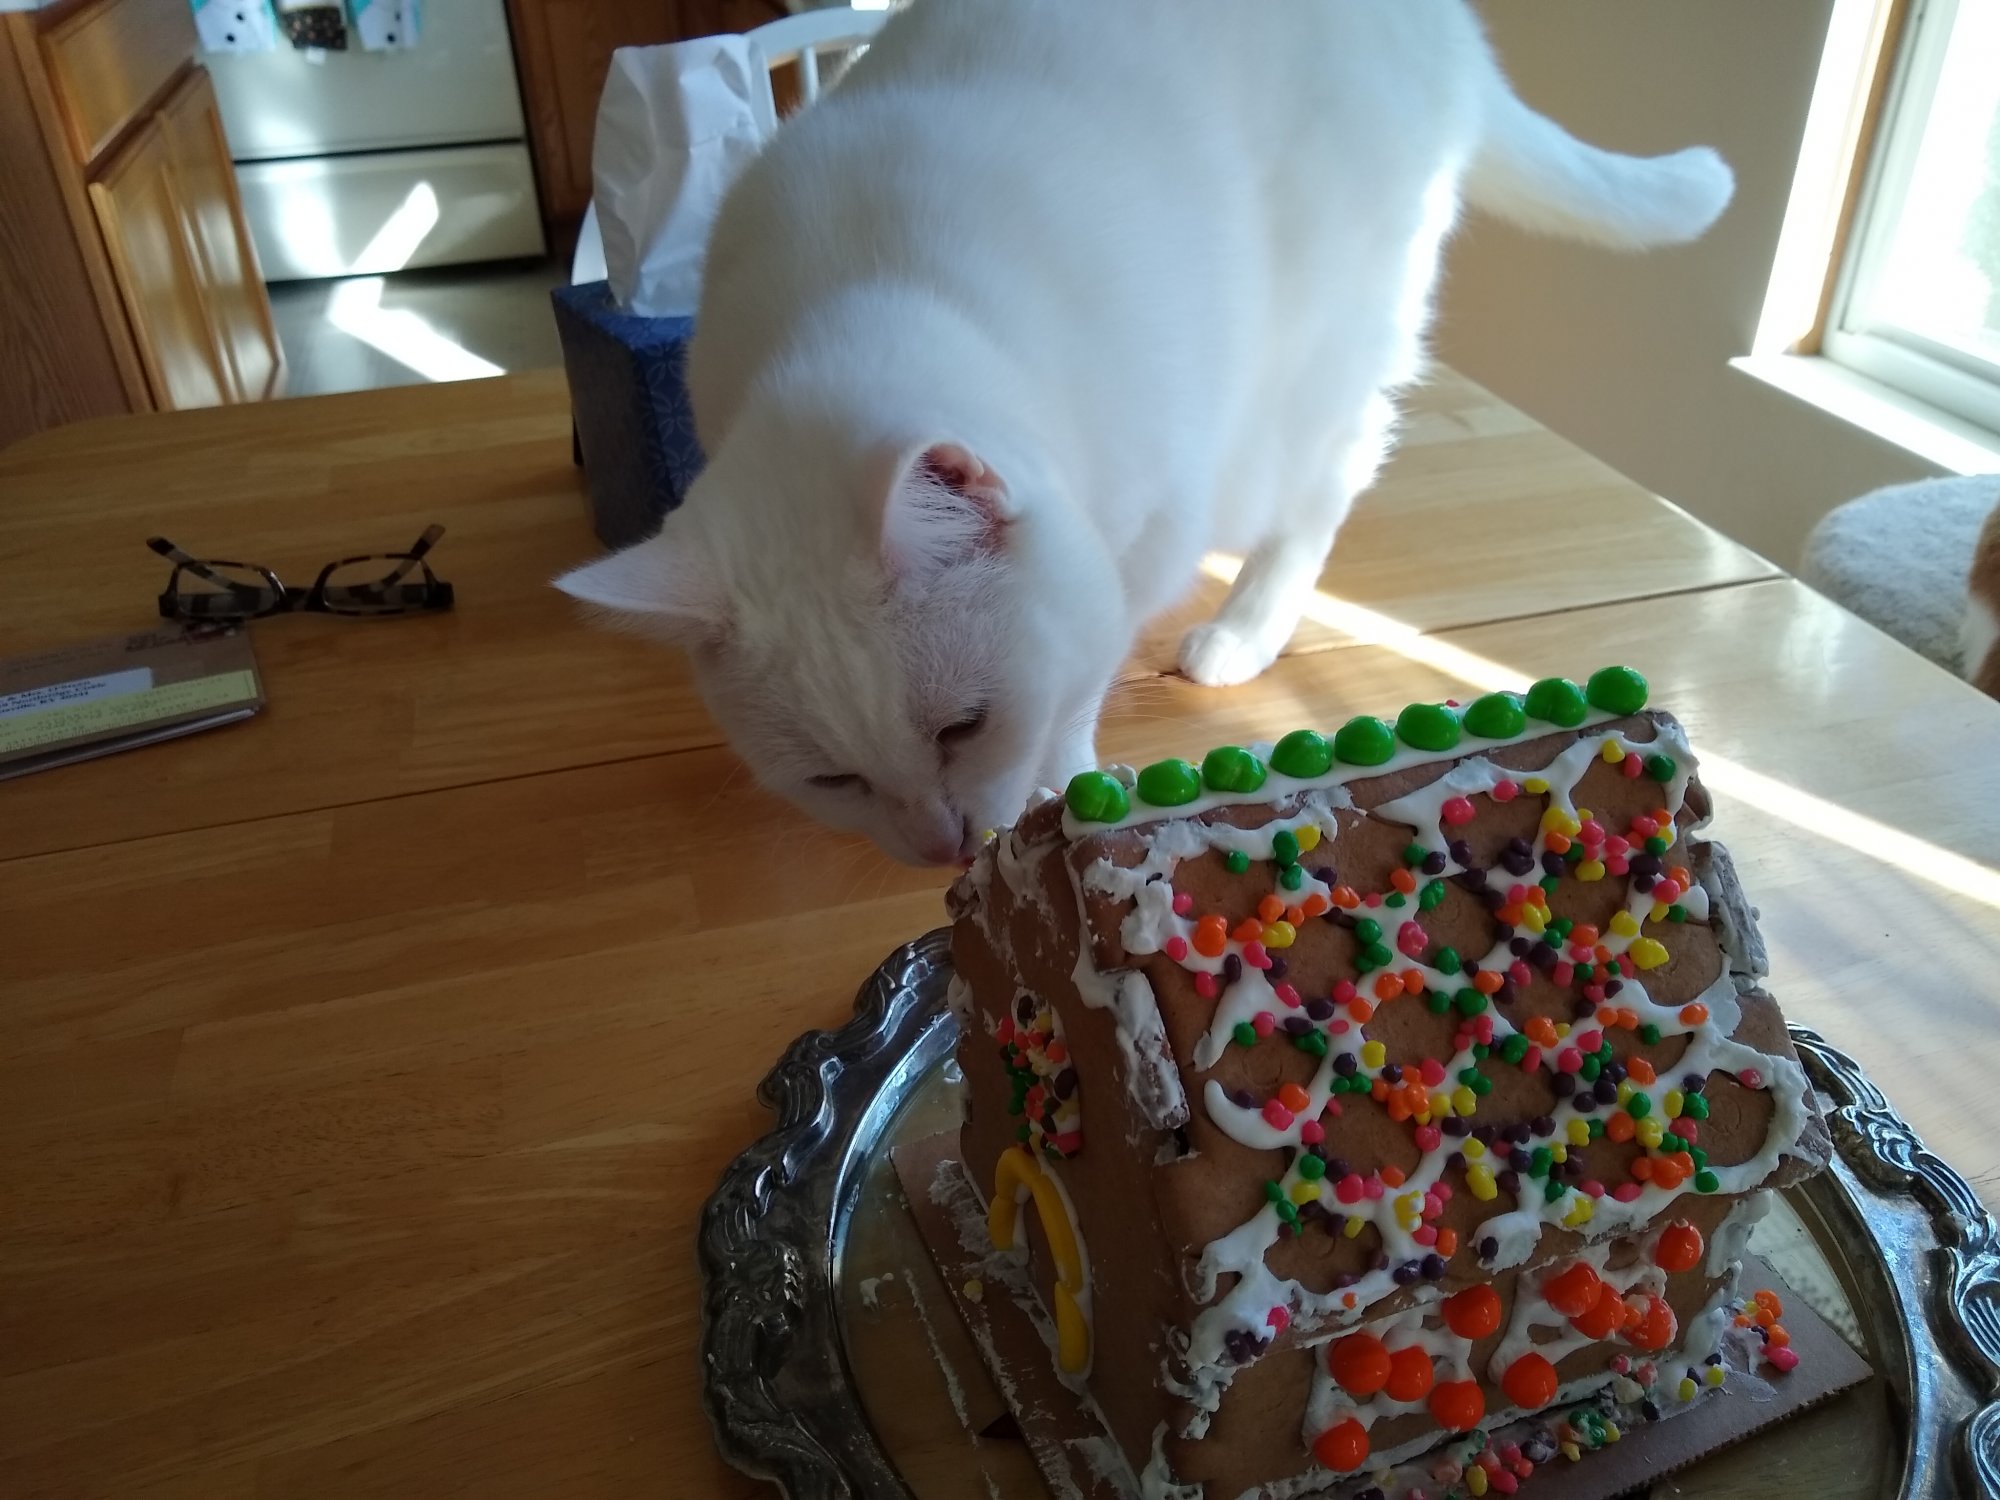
(802, 38)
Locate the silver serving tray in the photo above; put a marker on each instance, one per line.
(1916, 1252)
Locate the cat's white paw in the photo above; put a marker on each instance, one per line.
(1219, 655)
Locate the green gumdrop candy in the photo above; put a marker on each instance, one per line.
(1169, 783)
(1097, 797)
(1304, 753)
(1557, 700)
(1428, 726)
(1616, 690)
(1230, 768)
(1364, 741)
(1497, 716)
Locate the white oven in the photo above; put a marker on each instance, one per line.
(360, 163)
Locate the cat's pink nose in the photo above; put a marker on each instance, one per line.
(950, 847)
(940, 852)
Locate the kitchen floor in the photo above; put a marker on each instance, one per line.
(360, 333)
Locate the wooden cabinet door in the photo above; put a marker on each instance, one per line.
(159, 274)
(239, 309)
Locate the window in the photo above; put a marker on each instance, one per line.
(1916, 303)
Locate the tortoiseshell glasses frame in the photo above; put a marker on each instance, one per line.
(246, 591)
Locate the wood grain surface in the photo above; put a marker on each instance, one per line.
(511, 684)
(363, 1069)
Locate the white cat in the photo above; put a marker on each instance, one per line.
(1046, 301)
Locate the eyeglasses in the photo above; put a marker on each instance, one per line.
(380, 584)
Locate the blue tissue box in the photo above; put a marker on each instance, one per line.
(628, 395)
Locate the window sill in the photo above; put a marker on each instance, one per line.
(1937, 437)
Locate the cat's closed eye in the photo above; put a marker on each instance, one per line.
(963, 728)
(839, 783)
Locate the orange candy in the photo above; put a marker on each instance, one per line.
(1346, 897)
(1605, 1316)
(1530, 1382)
(1628, 1019)
(1642, 1170)
(1313, 906)
(1458, 1405)
(1271, 908)
(1473, 1313)
(1388, 986)
(1667, 1174)
(1343, 1446)
(1768, 1300)
(1413, 982)
(1640, 1071)
(1680, 873)
(1293, 1098)
(1392, 1177)
(1586, 935)
(1541, 1031)
(1679, 1248)
(1572, 1292)
(1447, 1240)
(1249, 930)
(1694, 1015)
(1775, 1336)
(1487, 981)
(1210, 937)
(1656, 1327)
(1359, 1364)
(1411, 1374)
(1296, 915)
(1403, 880)
(1619, 1128)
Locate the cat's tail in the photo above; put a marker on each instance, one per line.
(1531, 171)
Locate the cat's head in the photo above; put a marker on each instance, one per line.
(904, 644)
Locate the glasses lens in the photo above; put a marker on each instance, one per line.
(224, 591)
(377, 586)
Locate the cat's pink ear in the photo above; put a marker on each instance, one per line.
(665, 585)
(946, 505)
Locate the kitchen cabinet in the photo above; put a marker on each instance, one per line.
(131, 283)
(239, 311)
(563, 51)
(146, 235)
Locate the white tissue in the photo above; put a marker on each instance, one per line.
(674, 127)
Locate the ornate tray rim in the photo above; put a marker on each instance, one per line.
(775, 1379)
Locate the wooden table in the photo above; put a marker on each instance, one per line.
(363, 1069)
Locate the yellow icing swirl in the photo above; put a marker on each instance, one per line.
(1016, 1179)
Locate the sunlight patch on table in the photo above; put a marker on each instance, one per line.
(1804, 810)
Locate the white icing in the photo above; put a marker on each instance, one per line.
(958, 999)
(1151, 1075)
(1156, 1480)
(871, 1289)
(1732, 1236)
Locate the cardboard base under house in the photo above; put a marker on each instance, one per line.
(1077, 1456)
